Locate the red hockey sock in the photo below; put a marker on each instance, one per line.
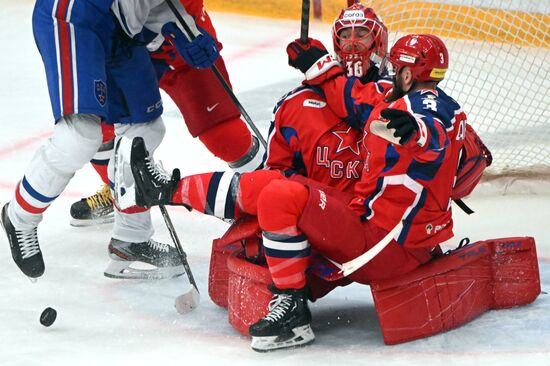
(223, 194)
(101, 159)
(287, 249)
(229, 140)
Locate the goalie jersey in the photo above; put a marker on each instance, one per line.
(318, 140)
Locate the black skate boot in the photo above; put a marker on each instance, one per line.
(94, 210)
(287, 323)
(24, 247)
(154, 186)
(145, 260)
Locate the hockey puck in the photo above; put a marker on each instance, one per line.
(48, 317)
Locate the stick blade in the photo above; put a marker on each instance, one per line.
(188, 301)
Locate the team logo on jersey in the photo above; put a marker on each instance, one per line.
(100, 90)
(347, 141)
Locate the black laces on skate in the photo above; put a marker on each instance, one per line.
(278, 306)
(28, 243)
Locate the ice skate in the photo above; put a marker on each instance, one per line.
(145, 260)
(25, 250)
(94, 210)
(286, 325)
(154, 186)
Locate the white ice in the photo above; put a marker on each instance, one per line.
(113, 322)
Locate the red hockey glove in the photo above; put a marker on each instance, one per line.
(313, 59)
(403, 122)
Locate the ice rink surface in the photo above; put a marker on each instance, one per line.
(113, 322)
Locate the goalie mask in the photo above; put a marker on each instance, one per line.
(360, 39)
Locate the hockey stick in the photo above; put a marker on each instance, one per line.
(189, 300)
(353, 265)
(304, 23)
(216, 72)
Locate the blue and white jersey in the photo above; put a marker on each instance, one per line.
(134, 15)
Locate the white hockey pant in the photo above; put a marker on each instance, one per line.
(74, 142)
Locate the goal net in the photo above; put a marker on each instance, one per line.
(499, 69)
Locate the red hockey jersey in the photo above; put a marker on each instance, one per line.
(413, 183)
(310, 138)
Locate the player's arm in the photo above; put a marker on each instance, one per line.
(283, 150)
(349, 98)
(423, 133)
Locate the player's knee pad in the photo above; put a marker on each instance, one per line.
(73, 143)
(280, 204)
(250, 186)
(152, 132)
(75, 140)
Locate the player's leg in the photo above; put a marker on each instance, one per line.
(98, 208)
(76, 84)
(136, 106)
(211, 115)
(227, 195)
(287, 251)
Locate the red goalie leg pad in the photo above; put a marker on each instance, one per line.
(516, 279)
(218, 275)
(455, 288)
(248, 294)
(244, 232)
(230, 140)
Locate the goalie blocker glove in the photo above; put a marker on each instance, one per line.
(200, 53)
(154, 186)
(313, 59)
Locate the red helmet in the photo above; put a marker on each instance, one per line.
(425, 54)
(358, 48)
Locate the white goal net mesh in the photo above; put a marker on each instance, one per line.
(499, 69)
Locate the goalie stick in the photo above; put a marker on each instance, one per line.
(219, 76)
(358, 262)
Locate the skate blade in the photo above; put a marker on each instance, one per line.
(298, 337)
(93, 222)
(124, 270)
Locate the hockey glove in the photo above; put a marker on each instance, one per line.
(199, 53)
(403, 122)
(313, 59)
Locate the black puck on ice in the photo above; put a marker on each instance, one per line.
(48, 317)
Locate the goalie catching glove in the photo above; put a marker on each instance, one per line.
(313, 59)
